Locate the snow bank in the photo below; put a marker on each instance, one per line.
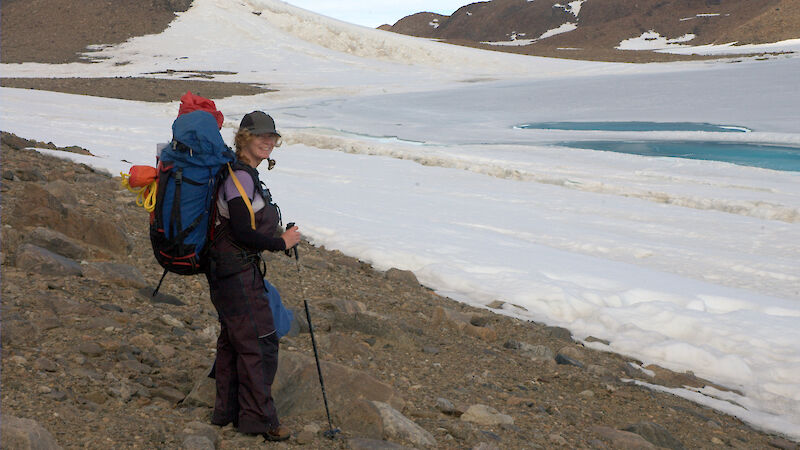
(650, 40)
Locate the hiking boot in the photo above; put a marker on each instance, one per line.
(281, 433)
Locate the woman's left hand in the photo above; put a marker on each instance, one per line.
(291, 237)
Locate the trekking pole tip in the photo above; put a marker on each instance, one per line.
(331, 434)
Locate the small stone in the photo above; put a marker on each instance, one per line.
(486, 446)
(373, 444)
(480, 321)
(202, 429)
(111, 307)
(656, 435)
(447, 407)
(622, 439)
(572, 352)
(536, 352)
(557, 439)
(31, 174)
(122, 391)
(97, 397)
(558, 333)
(484, 333)
(594, 339)
(194, 442)
(166, 351)
(58, 396)
(168, 320)
(169, 393)
(203, 393)
(717, 441)
(147, 293)
(587, 394)
(90, 349)
(566, 360)
(782, 444)
(402, 276)
(599, 371)
(305, 437)
(123, 275)
(485, 415)
(430, 349)
(516, 401)
(135, 366)
(18, 359)
(45, 364)
(312, 428)
(143, 341)
(398, 426)
(44, 390)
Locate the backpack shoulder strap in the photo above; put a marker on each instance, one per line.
(244, 195)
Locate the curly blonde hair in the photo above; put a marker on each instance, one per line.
(244, 137)
(242, 140)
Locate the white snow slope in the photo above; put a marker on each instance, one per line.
(403, 152)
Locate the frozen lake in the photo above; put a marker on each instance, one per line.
(773, 157)
(633, 126)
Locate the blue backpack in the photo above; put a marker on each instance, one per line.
(190, 170)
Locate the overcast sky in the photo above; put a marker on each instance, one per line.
(377, 12)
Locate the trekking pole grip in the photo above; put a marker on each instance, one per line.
(289, 250)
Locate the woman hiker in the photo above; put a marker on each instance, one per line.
(247, 348)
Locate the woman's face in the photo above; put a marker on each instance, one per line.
(260, 147)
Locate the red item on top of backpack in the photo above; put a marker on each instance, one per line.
(141, 176)
(191, 102)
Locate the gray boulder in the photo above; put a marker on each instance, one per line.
(56, 242)
(24, 434)
(398, 426)
(406, 277)
(297, 391)
(656, 435)
(123, 275)
(203, 393)
(374, 444)
(195, 442)
(623, 440)
(199, 429)
(33, 258)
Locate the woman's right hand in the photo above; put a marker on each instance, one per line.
(291, 237)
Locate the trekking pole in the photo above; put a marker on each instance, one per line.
(331, 433)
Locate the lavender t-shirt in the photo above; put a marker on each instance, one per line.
(230, 192)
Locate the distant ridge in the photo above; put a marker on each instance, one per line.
(543, 26)
(57, 31)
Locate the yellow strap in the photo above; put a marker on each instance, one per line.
(145, 196)
(244, 197)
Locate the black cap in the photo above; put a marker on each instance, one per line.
(258, 122)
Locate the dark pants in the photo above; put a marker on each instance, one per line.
(247, 353)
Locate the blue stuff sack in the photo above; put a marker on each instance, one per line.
(281, 316)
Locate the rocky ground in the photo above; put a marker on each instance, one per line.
(91, 360)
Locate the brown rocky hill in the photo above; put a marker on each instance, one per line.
(603, 24)
(57, 31)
